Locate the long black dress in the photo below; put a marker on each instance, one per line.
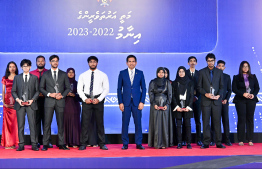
(160, 122)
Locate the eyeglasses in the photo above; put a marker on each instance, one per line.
(53, 61)
(210, 61)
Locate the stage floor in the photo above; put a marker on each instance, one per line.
(232, 157)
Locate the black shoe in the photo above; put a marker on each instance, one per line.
(104, 147)
(179, 145)
(38, 145)
(189, 146)
(183, 143)
(63, 147)
(228, 144)
(50, 145)
(204, 146)
(140, 147)
(221, 146)
(82, 148)
(212, 143)
(125, 147)
(20, 148)
(45, 148)
(35, 148)
(199, 143)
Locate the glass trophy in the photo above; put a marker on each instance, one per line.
(161, 103)
(71, 87)
(25, 99)
(248, 90)
(212, 91)
(183, 104)
(92, 96)
(56, 88)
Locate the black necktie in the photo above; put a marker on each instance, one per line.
(26, 79)
(91, 84)
(25, 89)
(55, 76)
(40, 75)
(211, 75)
(192, 74)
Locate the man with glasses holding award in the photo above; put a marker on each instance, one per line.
(55, 86)
(25, 92)
(210, 86)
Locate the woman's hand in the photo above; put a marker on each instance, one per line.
(251, 96)
(246, 95)
(165, 107)
(156, 107)
(186, 110)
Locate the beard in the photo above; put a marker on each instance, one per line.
(92, 68)
(40, 67)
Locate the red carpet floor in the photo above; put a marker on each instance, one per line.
(115, 151)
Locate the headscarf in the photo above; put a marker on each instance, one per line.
(167, 70)
(160, 81)
(183, 81)
(71, 80)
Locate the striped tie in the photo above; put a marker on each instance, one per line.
(132, 77)
(91, 84)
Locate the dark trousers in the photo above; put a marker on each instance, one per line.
(187, 130)
(49, 112)
(98, 111)
(137, 115)
(40, 118)
(245, 124)
(21, 124)
(214, 112)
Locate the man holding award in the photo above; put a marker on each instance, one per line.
(54, 85)
(210, 86)
(25, 92)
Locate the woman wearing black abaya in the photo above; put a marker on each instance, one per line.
(160, 133)
(182, 102)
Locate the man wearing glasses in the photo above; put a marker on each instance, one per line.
(54, 85)
(210, 86)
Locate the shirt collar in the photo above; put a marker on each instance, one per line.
(93, 71)
(54, 70)
(129, 70)
(42, 70)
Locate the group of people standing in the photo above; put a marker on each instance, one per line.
(172, 104)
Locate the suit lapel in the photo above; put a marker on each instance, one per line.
(208, 75)
(127, 76)
(59, 75)
(51, 76)
(135, 75)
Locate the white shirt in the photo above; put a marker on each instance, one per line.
(28, 76)
(192, 72)
(52, 72)
(183, 97)
(129, 72)
(100, 84)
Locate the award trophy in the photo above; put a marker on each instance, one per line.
(56, 88)
(212, 91)
(25, 99)
(91, 96)
(248, 90)
(182, 102)
(71, 87)
(161, 104)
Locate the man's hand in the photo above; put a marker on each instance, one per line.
(59, 96)
(251, 96)
(179, 109)
(88, 101)
(121, 107)
(216, 97)
(41, 95)
(246, 95)
(186, 110)
(140, 106)
(209, 95)
(95, 101)
(224, 101)
(30, 102)
(53, 95)
(20, 102)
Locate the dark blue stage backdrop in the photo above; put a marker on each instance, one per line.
(159, 32)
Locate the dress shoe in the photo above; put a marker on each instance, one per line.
(104, 147)
(221, 146)
(50, 145)
(20, 148)
(45, 148)
(199, 143)
(204, 146)
(228, 144)
(125, 147)
(189, 146)
(140, 147)
(183, 143)
(212, 143)
(38, 145)
(82, 148)
(35, 148)
(179, 145)
(63, 147)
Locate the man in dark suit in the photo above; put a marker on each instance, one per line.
(131, 92)
(193, 75)
(225, 98)
(25, 92)
(54, 85)
(210, 86)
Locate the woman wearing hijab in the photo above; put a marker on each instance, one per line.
(72, 113)
(160, 133)
(183, 93)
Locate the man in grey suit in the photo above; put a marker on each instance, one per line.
(25, 92)
(210, 86)
(54, 85)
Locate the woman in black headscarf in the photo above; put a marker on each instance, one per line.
(72, 111)
(182, 104)
(160, 133)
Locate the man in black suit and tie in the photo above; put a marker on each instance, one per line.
(54, 85)
(193, 75)
(25, 92)
(210, 86)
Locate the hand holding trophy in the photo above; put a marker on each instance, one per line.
(25, 99)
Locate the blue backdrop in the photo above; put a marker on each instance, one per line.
(160, 33)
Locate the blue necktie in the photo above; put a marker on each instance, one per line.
(211, 75)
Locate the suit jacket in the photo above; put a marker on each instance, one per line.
(239, 88)
(47, 85)
(204, 84)
(137, 90)
(33, 90)
(194, 79)
(227, 87)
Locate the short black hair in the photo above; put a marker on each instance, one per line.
(191, 57)
(130, 56)
(52, 57)
(211, 56)
(92, 58)
(40, 56)
(25, 61)
(221, 61)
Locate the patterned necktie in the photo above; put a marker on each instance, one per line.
(132, 77)
(55, 76)
(91, 84)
